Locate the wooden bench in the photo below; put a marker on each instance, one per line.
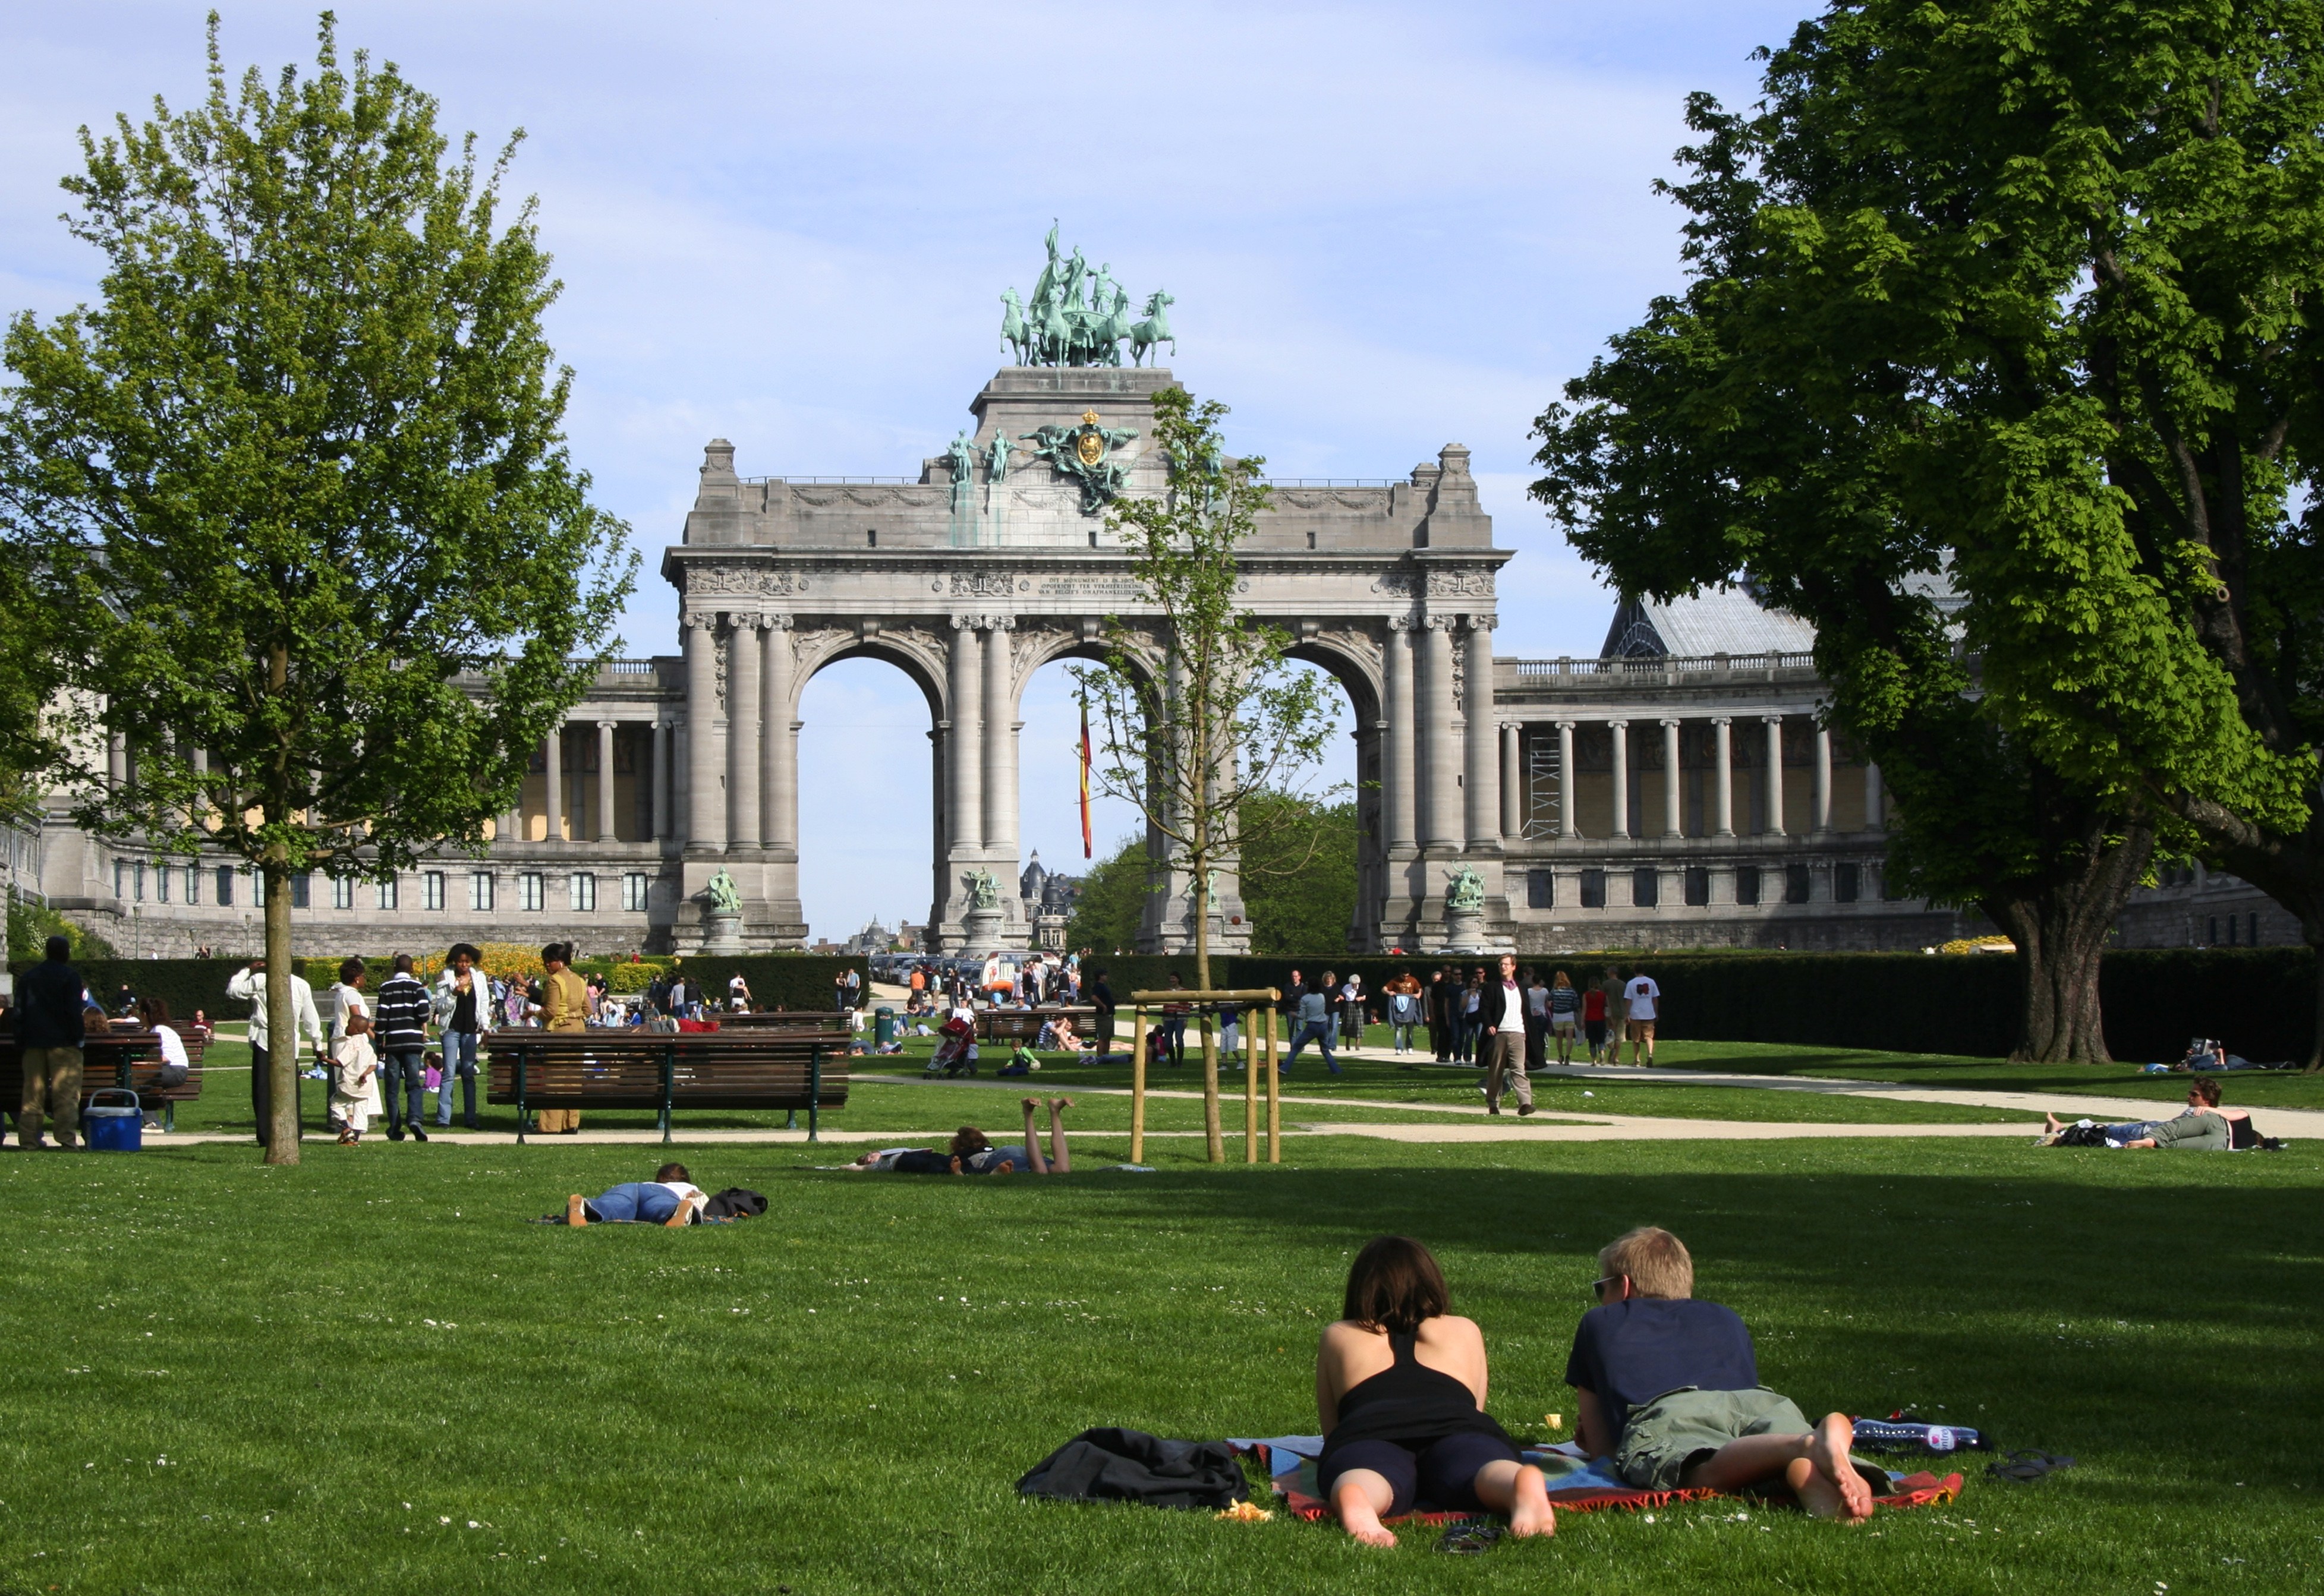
(1011, 1025)
(112, 1059)
(757, 1067)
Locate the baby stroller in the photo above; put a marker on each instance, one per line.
(956, 1053)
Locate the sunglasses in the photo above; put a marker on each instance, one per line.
(1598, 1287)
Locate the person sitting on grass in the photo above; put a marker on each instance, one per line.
(1059, 1035)
(1401, 1394)
(669, 1200)
(1020, 1061)
(2197, 1128)
(973, 1153)
(1668, 1387)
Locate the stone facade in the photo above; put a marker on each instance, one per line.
(1651, 796)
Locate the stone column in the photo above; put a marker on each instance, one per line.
(1000, 742)
(1440, 811)
(1397, 738)
(1775, 774)
(1480, 779)
(1724, 787)
(705, 811)
(1513, 781)
(1670, 822)
(661, 815)
(116, 759)
(1875, 801)
(1621, 777)
(1819, 809)
(964, 758)
(553, 755)
(778, 740)
(605, 829)
(1569, 824)
(743, 728)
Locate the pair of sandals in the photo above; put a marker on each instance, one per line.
(2028, 1464)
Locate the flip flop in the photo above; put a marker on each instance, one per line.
(2029, 1465)
(1471, 1539)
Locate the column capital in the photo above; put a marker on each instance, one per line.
(702, 620)
(776, 623)
(1567, 725)
(1484, 622)
(1773, 719)
(1722, 720)
(1440, 623)
(607, 725)
(1671, 720)
(1619, 725)
(1401, 623)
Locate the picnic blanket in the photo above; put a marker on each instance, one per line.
(1577, 1483)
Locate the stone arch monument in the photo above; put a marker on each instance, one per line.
(994, 561)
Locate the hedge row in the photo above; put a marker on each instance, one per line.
(794, 980)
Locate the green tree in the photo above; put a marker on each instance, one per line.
(1202, 702)
(1112, 900)
(2020, 292)
(1299, 877)
(299, 484)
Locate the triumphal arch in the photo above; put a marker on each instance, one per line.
(995, 558)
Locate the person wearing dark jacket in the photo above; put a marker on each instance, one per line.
(1443, 1015)
(1102, 996)
(1501, 1038)
(399, 1015)
(49, 1036)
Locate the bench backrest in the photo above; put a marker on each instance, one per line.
(1011, 1024)
(626, 1069)
(104, 1054)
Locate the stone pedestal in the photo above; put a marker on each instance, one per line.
(723, 932)
(985, 930)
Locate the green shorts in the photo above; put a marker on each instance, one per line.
(1679, 1428)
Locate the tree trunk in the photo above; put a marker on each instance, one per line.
(1214, 1137)
(2060, 929)
(281, 1019)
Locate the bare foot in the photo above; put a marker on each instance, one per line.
(2051, 1124)
(1059, 1104)
(1361, 1519)
(577, 1211)
(1828, 1451)
(1529, 1512)
(955, 1163)
(684, 1215)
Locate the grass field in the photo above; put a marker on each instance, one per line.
(368, 1373)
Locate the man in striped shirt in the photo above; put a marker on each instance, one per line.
(400, 1018)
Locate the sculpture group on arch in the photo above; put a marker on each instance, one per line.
(1079, 318)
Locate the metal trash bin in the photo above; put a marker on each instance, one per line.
(109, 1126)
(883, 1025)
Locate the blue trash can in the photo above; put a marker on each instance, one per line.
(111, 1127)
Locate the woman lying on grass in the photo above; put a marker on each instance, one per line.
(669, 1200)
(2198, 1127)
(973, 1153)
(1400, 1390)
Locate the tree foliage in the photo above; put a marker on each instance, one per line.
(1203, 704)
(298, 485)
(1300, 897)
(2016, 292)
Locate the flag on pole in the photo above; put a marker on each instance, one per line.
(1085, 770)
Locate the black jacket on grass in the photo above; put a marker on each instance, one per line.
(1131, 1465)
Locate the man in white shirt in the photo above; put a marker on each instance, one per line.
(1501, 1041)
(249, 985)
(1642, 997)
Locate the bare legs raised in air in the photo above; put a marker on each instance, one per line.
(1060, 1160)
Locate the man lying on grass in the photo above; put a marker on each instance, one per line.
(972, 1152)
(670, 1200)
(1669, 1389)
(2197, 1128)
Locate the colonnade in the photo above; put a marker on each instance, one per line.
(1722, 818)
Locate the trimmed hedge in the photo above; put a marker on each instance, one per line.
(792, 980)
(184, 984)
(2260, 1001)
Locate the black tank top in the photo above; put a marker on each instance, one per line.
(1408, 1403)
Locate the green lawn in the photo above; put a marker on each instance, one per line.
(2242, 1087)
(368, 1373)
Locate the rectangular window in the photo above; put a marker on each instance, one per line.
(1747, 885)
(121, 878)
(1698, 886)
(2231, 931)
(225, 886)
(480, 892)
(1541, 890)
(1593, 889)
(161, 884)
(1890, 892)
(1796, 884)
(1846, 883)
(343, 892)
(391, 894)
(529, 893)
(193, 883)
(302, 892)
(635, 886)
(2254, 937)
(581, 893)
(1646, 887)
(431, 891)
(137, 883)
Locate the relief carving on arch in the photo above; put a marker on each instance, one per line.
(741, 578)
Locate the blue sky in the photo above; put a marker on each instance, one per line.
(1387, 227)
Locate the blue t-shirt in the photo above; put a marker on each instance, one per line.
(1631, 1351)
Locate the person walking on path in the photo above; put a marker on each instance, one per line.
(1593, 1018)
(1616, 1006)
(1441, 992)
(463, 1010)
(1352, 1011)
(564, 1007)
(1170, 1036)
(48, 1037)
(1565, 1009)
(738, 994)
(1501, 1039)
(1472, 1000)
(249, 985)
(1641, 999)
(1404, 999)
(400, 1023)
(1315, 1026)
